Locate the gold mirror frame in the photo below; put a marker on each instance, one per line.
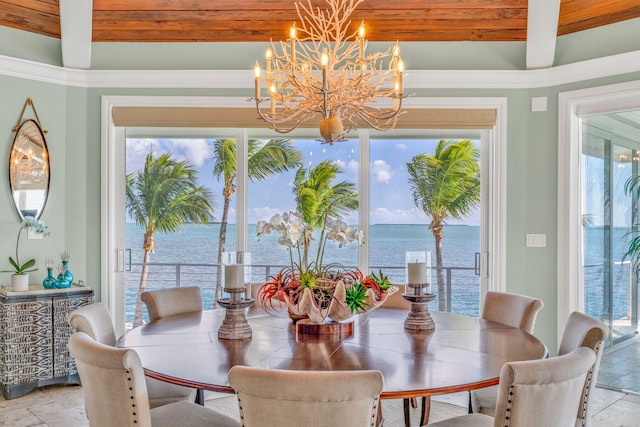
(29, 170)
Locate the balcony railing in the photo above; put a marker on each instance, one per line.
(462, 285)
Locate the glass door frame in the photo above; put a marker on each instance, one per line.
(572, 106)
(611, 148)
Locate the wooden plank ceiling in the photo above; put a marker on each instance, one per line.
(261, 20)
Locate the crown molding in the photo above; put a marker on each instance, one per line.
(243, 79)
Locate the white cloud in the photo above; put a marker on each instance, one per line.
(382, 171)
(137, 150)
(401, 146)
(398, 216)
(354, 165)
(263, 213)
(195, 151)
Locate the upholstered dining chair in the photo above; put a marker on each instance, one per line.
(95, 321)
(518, 311)
(515, 310)
(115, 391)
(282, 398)
(579, 331)
(534, 393)
(171, 301)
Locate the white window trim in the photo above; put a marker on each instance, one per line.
(571, 107)
(112, 163)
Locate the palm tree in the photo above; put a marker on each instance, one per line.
(318, 200)
(264, 160)
(445, 185)
(162, 197)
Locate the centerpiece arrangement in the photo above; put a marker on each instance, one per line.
(321, 292)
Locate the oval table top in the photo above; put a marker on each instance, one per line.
(463, 353)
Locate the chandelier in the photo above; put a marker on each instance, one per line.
(323, 69)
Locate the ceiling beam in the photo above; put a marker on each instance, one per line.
(542, 30)
(76, 18)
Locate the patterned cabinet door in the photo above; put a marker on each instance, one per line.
(62, 307)
(27, 348)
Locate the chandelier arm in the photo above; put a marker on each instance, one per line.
(375, 124)
(275, 125)
(382, 116)
(298, 116)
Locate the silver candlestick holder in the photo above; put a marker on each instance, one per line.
(235, 325)
(419, 317)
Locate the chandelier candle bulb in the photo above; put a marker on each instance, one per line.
(257, 71)
(394, 60)
(268, 54)
(361, 31)
(272, 89)
(324, 60)
(292, 36)
(233, 277)
(400, 71)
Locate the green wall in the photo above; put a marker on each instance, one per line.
(72, 117)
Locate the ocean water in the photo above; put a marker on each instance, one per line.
(189, 258)
(195, 250)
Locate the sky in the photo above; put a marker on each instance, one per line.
(391, 199)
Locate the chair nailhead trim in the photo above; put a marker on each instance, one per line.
(508, 408)
(131, 396)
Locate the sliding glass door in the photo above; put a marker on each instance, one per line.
(609, 220)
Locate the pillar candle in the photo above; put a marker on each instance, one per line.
(233, 276)
(417, 273)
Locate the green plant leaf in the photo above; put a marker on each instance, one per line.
(28, 264)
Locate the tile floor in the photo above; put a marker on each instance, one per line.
(63, 406)
(620, 367)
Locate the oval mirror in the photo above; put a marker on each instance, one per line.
(29, 170)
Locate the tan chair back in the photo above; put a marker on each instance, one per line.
(113, 383)
(584, 331)
(518, 311)
(95, 321)
(281, 398)
(542, 392)
(171, 301)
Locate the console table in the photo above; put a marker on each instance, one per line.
(33, 337)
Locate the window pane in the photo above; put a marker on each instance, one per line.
(397, 226)
(275, 194)
(187, 257)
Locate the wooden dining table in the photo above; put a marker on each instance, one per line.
(462, 353)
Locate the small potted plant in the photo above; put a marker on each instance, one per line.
(20, 277)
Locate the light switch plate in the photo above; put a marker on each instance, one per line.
(536, 240)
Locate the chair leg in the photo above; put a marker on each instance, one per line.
(379, 417)
(426, 408)
(470, 405)
(414, 402)
(407, 413)
(200, 396)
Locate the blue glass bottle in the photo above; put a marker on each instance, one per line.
(67, 274)
(62, 281)
(49, 282)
